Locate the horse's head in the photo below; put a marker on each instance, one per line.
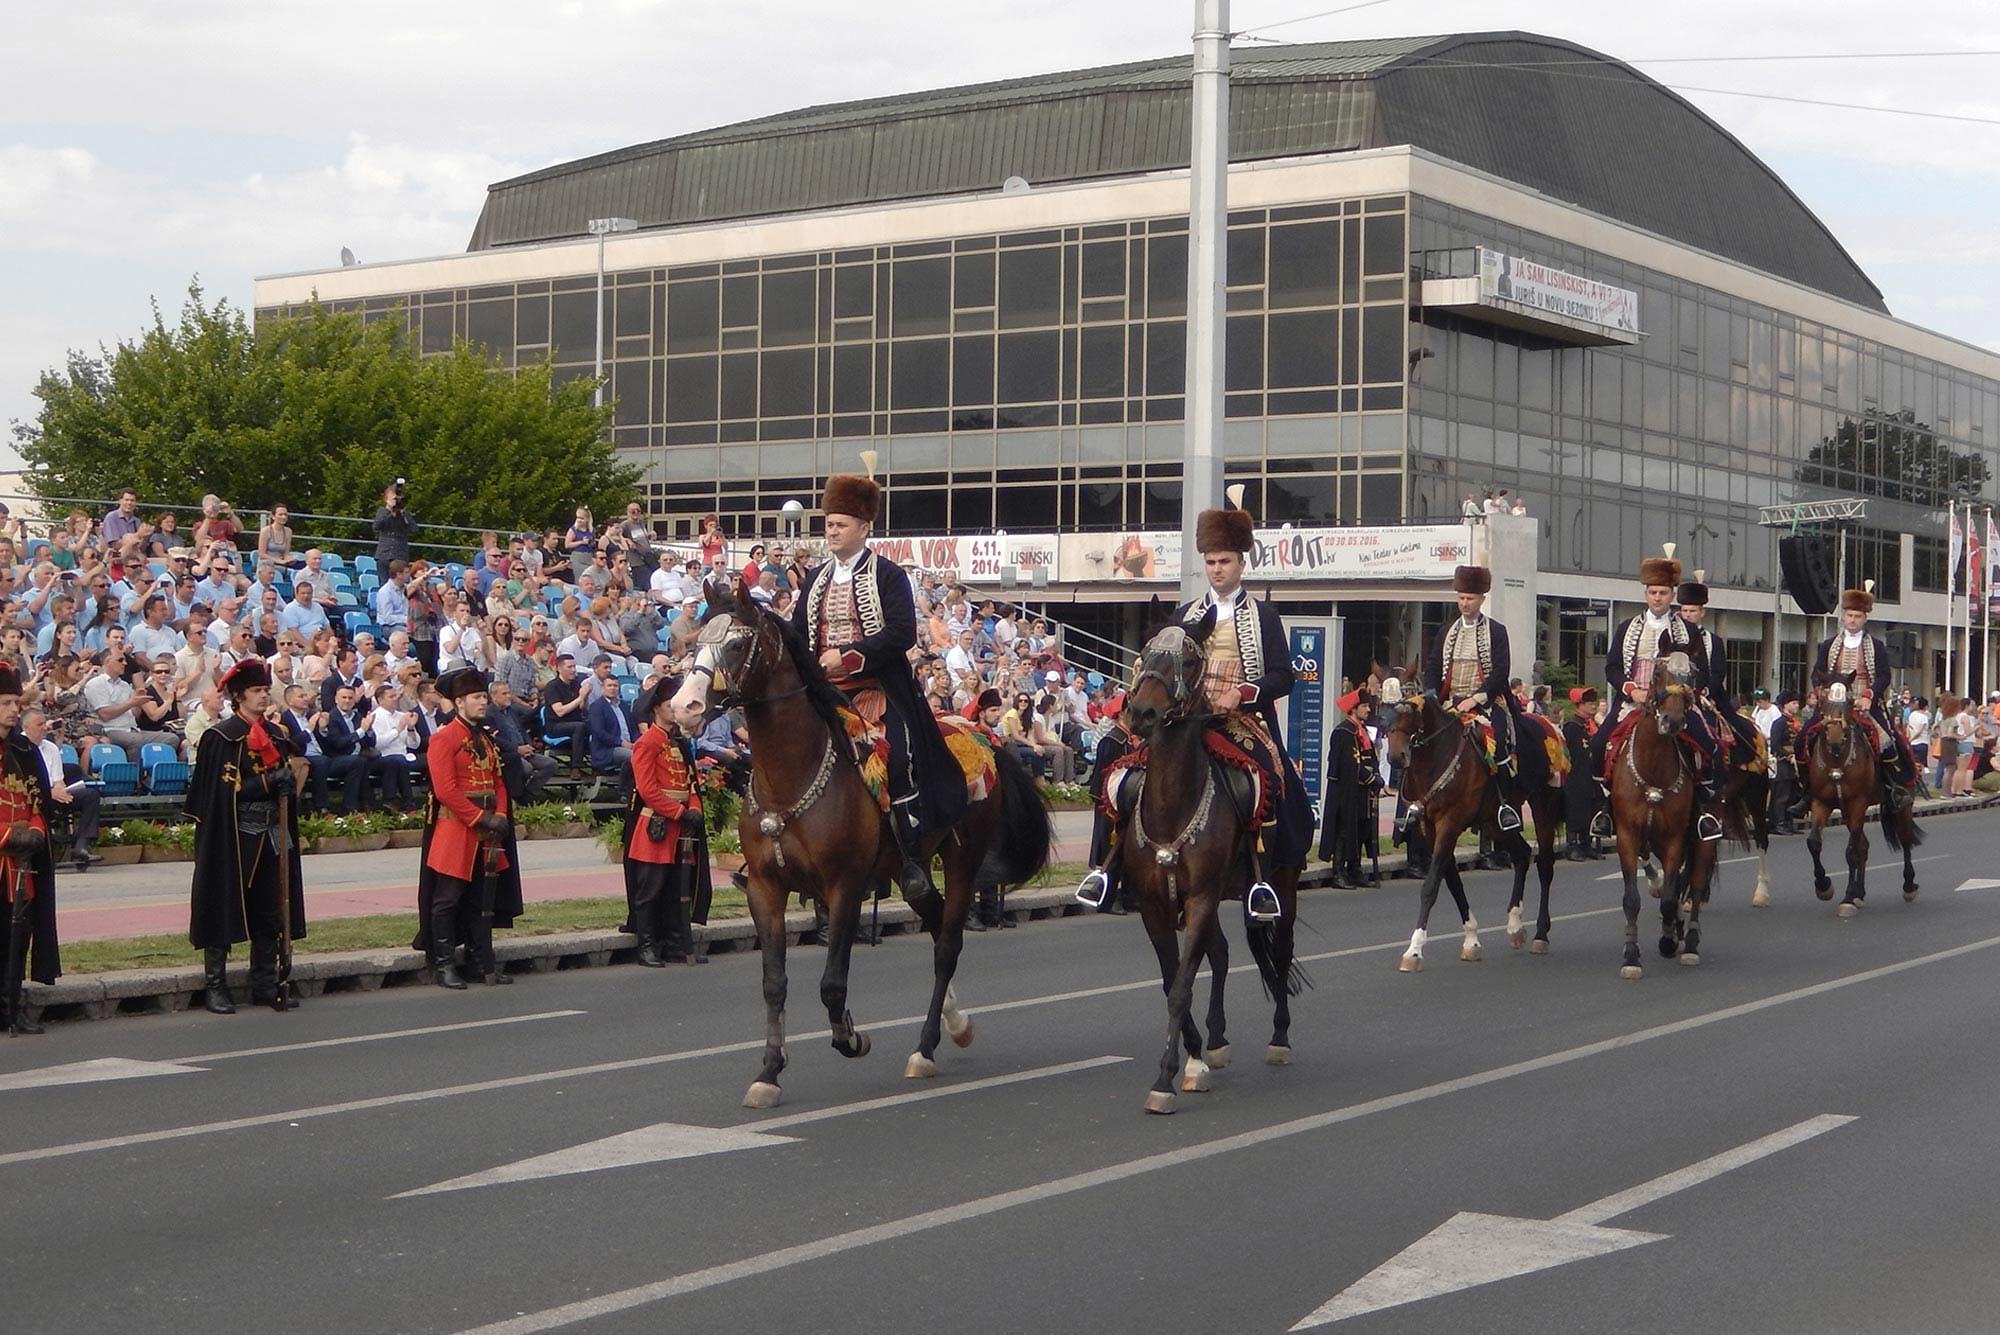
(1671, 696)
(1836, 705)
(1166, 683)
(740, 646)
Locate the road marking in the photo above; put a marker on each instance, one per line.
(677, 1140)
(377, 1038)
(555, 1318)
(1469, 1249)
(1977, 883)
(1730, 862)
(90, 1072)
(626, 1064)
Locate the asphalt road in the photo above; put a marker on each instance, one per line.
(1024, 1189)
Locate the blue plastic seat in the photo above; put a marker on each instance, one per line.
(104, 753)
(1096, 680)
(628, 690)
(153, 754)
(354, 620)
(39, 548)
(70, 757)
(364, 565)
(120, 778)
(346, 598)
(169, 777)
(334, 561)
(368, 585)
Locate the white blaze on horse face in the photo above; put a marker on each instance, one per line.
(693, 693)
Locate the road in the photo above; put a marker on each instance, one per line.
(275, 1176)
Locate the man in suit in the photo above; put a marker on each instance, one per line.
(527, 769)
(346, 672)
(611, 733)
(345, 744)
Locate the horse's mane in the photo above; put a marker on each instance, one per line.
(826, 701)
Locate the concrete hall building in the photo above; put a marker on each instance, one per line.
(1455, 264)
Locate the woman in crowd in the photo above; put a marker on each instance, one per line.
(64, 642)
(160, 700)
(426, 614)
(166, 535)
(101, 622)
(1952, 730)
(70, 715)
(605, 632)
(713, 543)
(374, 673)
(580, 542)
(274, 539)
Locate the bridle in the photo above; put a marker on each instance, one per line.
(1837, 695)
(1181, 681)
(1674, 689)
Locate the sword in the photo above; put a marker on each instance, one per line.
(281, 1000)
(17, 943)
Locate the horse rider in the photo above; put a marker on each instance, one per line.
(1853, 650)
(1692, 596)
(1579, 791)
(1107, 888)
(857, 617)
(1785, 732)
(1353, 782)
(1656, 633)
(1466, 664)
(1249, 669)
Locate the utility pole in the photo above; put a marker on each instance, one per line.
(1208, 237)
(601, 228)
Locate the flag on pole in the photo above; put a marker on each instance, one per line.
(1992, 566)
(1973, 569)
(1957, 550)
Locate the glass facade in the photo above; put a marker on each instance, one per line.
(1724, 406)
(1020, 381)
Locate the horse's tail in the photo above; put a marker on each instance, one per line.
(1899, 823)
(1263, 939)
(1026, 837)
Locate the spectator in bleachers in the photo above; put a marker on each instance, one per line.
(153, 640)
(304, 722)
(563, 704)
(426, 614)
(394, 728)
(274, 539)
(720, 742)
(60, 635)
(160, 701)
(712, 540)
(392, 600)
(470, 594)
(580, 543)
(303, 613)
(315, 573)
(340, 728)
(398, 653)
(208, 713)
(119, 521)
(687, 626)
(80, 804)
(528, 769)
(116, 705)
(239, 645)
(611, 731)
(218, 526)
(392, 528)
(345, 675)
(460, 641)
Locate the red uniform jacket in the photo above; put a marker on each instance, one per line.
(20, 803)
(664, 785)
(464, 761)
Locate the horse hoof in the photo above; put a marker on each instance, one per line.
(1217, 1058)
(1517, 939)
(1194, 1077)
(1669, 947)
(962, 1036)
(1631, 973)
(1410, 964)
(1277, 1055)
(919, 1067)
(1471, 953)
(1849, 909)
(763, 1094)
(1160, 1102)
(1910, 896)
(1760, 898)
(1689, 958)
(1538, 947)
(1824, 889)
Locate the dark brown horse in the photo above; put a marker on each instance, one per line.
(810, 827)
(1184, 848)
(1449, 791)
(1841, 773)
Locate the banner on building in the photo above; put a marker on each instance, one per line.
(978, 559)
(1572, 296)
(1410, 552)
(1957, 550)
(1992, 567)
(1975, 569)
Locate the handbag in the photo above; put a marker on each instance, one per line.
(658, 827)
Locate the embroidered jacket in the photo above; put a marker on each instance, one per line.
(1871, 672)
(1493, 650)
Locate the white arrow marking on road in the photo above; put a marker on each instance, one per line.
(90, 1072)
(674, 1140)
(1977, 883)
(1468, 1250)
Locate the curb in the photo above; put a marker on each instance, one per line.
(162, 991)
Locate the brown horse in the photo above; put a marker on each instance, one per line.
(1841, 772)
(1449, 790)
(1653, 808)
(810, 827)
(1184, 848)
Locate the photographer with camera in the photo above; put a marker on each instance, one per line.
(392, 527)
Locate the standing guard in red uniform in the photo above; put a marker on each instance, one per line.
(665, 824)
(470, 880)
(27, 874)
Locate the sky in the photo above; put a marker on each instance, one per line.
(143, 145)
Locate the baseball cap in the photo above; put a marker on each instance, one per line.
(1052, 675)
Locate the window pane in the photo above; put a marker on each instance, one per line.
(1243, 352)
(854, 290)
(972, 509)
(1382, 343)
(1030, 287)
(739, 385)
(1246, 256)
(788, 308)
(922, 296)
(1382, 238)
(690, 389)
(788, 380)
(1381, 496)
(739, 302)
(851, 378)
(1298, 500)
(1104, 269)
(913, 510)
(491, 325)
(972, 370)
(632, 391)
(575, 325)
(917, 372)
(972, 281)
(1103, 355)
(1030, 367)
(691, 316)
(1302, 349)
(1166, 358)
(635, 310)
(1166, 275)
(1100, 505)
(1304, 261)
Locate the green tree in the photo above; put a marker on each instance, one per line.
(320, 412)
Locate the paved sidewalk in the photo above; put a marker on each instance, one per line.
(147, 899)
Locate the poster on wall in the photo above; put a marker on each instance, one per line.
(978, 559)
(1407, 552)
(1572, 296)
(1309, 716)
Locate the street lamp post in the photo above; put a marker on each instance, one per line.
(601, 228)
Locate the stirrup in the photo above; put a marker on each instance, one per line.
(1600, 824)
(1091, 891)
(1261, 903)
(1507, 818)
(1707, 828)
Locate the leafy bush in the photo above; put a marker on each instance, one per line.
(1065, 792)
(540, 815)
(142, 834)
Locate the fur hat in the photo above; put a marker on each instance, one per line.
(246, 675)
(647, 703)
(853, 495)
(1694, 593)
(1472, 579)
(1859, 600)
(990, 699)
(1660, 569)
(1224, 531)
(10, 679)
(461, 682)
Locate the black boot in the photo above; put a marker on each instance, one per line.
(215, 981)
(444, 951)
(989, 911)
(479, 953)
(676, 939)
(1117, 896)
(914, 880)
(649, 941)
(264, 975)
(1576, 853)
(1708, 826)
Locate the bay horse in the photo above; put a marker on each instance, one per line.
(1184, 848)
(1841, 772)
(811, 827)
(1446, 783)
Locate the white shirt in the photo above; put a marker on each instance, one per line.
(669, 587)
(1919, 727)
(1851, 639)
(103, 692)
(391, 739)
(459, 646)
(1005, 631)
(52, 762)
(1764, 716)
(843, 571)
(958, 659)
(1225, 605)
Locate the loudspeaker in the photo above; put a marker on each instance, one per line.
(1903, 652)
(1808, 574)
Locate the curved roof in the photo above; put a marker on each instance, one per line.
(1545, 113)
